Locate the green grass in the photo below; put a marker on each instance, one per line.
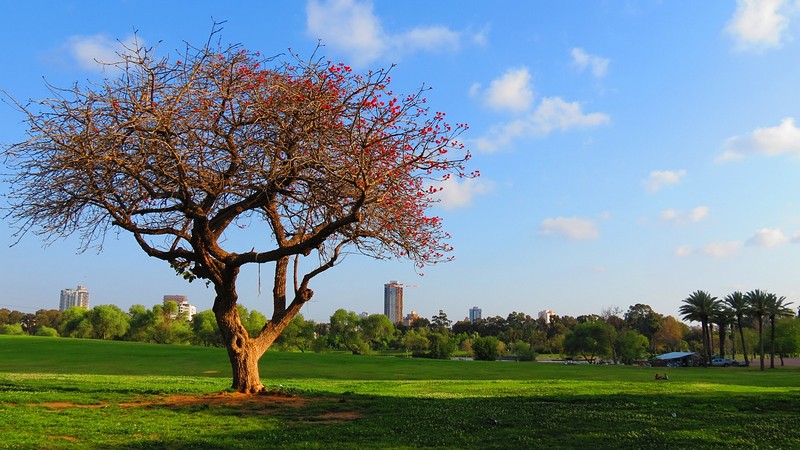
(65, 393)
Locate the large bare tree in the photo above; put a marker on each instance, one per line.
(313, 159)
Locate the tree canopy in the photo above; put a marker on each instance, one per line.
(310, 157)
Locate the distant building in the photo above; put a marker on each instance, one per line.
(74, 297)
(546, 315)
(363, 315)
(474, 313)
(393, 301)
(183, 305)
(410, 318)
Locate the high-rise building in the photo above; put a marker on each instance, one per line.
(546, 315)
(474, 313)
(393, 301)
(183, 305)
(74, 297)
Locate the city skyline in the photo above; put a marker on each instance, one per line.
(629, 152)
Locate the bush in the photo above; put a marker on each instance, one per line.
(441, 346)
(524, 352)
(11, 328)
(47, 331)
(485, 348)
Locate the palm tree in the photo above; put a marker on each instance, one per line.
(738, 305)
(757, 302)
(776, 308)
(722, 317)
(699, 307)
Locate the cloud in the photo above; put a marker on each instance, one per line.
(697, 214)
(569, 227)
(767, 237)
(352, 27)
(780, 140)
(758, 24)
(552, 114)
(660, 178)
(721, 249)
(684, 250)
(95, 52)
(582, 60)
(512, 91)
(457, 194)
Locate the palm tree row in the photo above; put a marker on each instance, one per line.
(701, 307)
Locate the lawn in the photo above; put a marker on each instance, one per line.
(65, 393)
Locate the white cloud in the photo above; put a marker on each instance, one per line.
(767, 237)
(511, 91)
(721, 249)
(349, 25)
(660, 178)
(583, 60)
(97, 51)
(457, 194)
(697, 214)
(758, 24)
(553, 113)
(684, 250)
(569, 227)
(352, 27)
(774, 141)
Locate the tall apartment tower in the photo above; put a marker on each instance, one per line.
(74, 297)
(393, 301)
(474, 313)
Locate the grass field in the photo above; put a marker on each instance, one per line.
(65, 393)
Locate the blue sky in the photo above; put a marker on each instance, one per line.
(630, 151)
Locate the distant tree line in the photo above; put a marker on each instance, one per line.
(751, 324)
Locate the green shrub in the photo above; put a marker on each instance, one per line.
(47, 331)
(524, 352)
(486, 348)
(11, 328)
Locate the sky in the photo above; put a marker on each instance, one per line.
(630, 151)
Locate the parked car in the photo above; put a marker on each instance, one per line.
(721, 362)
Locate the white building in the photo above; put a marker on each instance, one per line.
(74, 297)
(546, 315)
(183, 305)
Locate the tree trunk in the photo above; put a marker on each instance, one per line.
(761, 340)
(772, 342)
(744, 346)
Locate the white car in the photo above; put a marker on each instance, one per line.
(721, 362)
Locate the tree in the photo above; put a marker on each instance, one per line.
(758, 306)
(670, 335)
(643, 319)
(303, 157)
(787, 337)
(589, 339)
(108, 321)
(299, 334)
(440, 323)
(414, 341)
(345, 333)
(699, 307)
(722, 317)
(776, 308)
(631, 346)
(377, 330)
(206, 331)
(485, 348)
(737, 303)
